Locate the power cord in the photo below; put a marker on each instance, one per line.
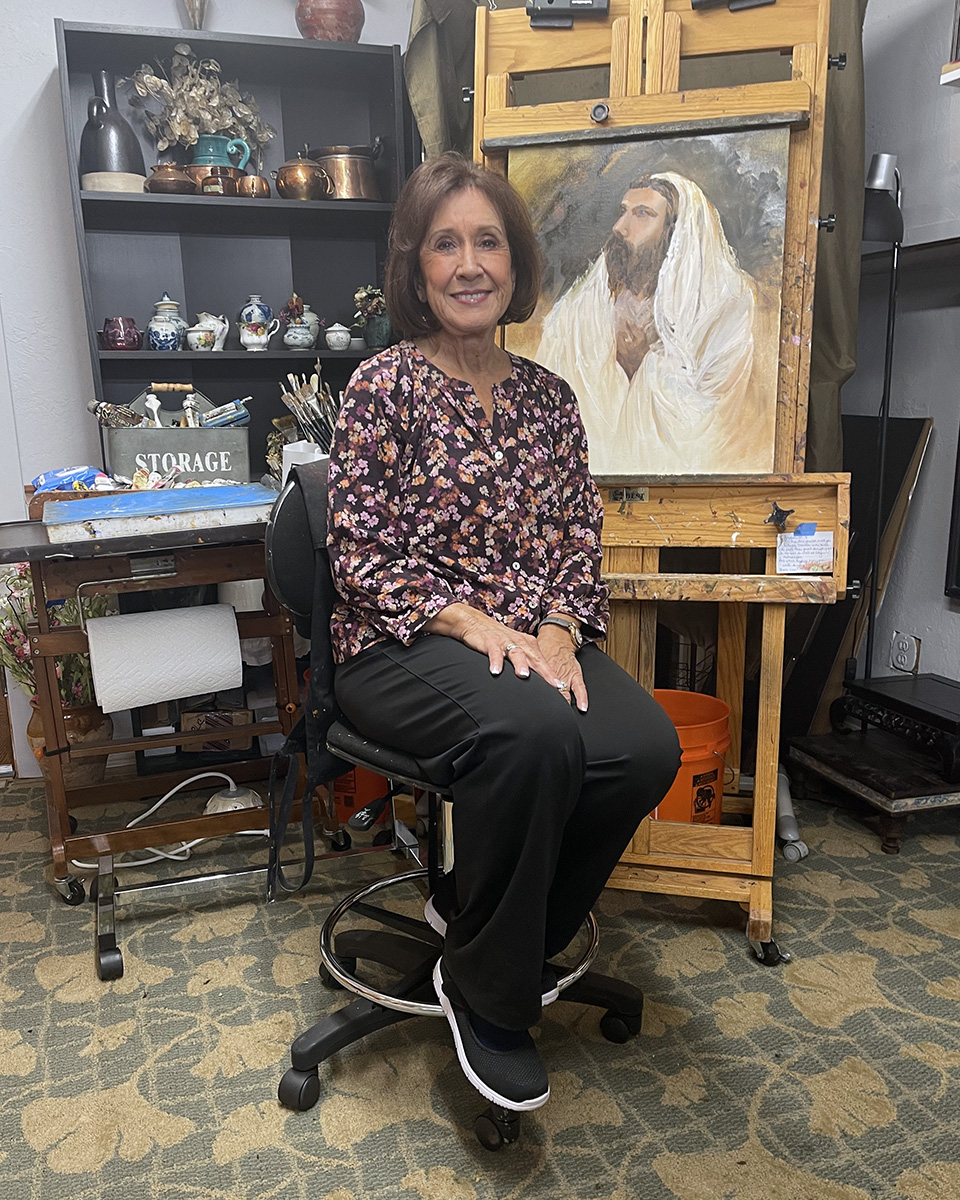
(180, 853)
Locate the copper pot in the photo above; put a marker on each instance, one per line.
(302, 179)
(350, 169)
(169, 180)
(198, 172)
(253, 186)
(219, 182)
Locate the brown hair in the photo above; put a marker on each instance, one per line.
(423, 193)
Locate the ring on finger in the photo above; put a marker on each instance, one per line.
(509, 646)
(562, 687)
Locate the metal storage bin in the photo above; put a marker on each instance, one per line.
(200, 453)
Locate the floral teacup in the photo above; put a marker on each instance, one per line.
(256, 335)
(201, 338)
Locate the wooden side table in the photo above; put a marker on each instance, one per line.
(131, 564)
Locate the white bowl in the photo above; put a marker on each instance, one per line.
(337, 339)
(357, 344)
(112, 181)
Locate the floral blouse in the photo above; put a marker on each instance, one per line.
(431, 503)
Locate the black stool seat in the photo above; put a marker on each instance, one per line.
(344, 741)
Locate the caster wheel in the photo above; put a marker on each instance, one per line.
(73, 824)
(340, 840)
(109, 965)
(299, 1090)
(383, 838)
(496, 1128)
(794, 851)
(769, 954)
(618, 1027)
(348, 964)
(74, 894)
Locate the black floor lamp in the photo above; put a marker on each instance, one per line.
(882, 222)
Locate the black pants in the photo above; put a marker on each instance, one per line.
(545, 798)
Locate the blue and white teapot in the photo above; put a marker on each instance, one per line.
(255, 312)
(166, 328)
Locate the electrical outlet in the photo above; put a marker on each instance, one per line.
(905, 652)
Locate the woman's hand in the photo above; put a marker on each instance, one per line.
(557, 649)
(524, 652)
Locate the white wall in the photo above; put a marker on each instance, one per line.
(45, 340)
(909, 114)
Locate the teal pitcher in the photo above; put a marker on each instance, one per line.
(214, 150)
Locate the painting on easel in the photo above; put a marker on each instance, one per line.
(661, 301)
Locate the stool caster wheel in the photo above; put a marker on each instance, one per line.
(73, 823)
(340, 840)
(109, 965)
(497, 1127)
(71, 890)
(383, 838)
(299, 1090)
(348, 964)
(620, 1027)
(770, 954)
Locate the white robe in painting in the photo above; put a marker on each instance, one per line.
(692, 406)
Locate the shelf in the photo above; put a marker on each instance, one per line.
(213, 356)
(132, 212)
(928, 273)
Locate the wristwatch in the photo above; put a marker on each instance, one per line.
(570, 626)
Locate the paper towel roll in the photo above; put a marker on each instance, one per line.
(143, 658)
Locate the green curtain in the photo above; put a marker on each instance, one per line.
(437, 65)
(834, 351)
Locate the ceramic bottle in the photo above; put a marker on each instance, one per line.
(108, 142)
(166, 328)
(255, 312)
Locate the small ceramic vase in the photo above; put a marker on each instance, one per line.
(199, 337)
(337, 337)
(310, 318)
(330, 20)
(376, 332)
(299, 336)
(256, 335)
(120, 333)
(215, 150)
(166, 328)
(255, 312)
(220, 326)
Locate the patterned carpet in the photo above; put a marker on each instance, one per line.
(836, 1077)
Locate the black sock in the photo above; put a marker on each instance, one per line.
(495, 1038)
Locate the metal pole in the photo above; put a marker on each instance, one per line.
(882, 446)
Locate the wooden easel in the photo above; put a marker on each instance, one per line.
(644, 43)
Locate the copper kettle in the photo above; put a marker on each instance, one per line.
(350, 169)
(302, 179)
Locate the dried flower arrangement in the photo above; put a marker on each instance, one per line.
(18, 611)
(195, 100)
(370, 303)
(292, 311)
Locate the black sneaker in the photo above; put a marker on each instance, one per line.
(514, 1079)
(548, 976)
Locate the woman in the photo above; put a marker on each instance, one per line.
(465, 546)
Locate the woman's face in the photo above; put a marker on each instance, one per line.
(465, 265)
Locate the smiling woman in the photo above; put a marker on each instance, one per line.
(464, 539)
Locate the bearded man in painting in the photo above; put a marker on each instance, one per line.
(657, 340)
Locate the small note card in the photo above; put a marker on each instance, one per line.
(804, 551)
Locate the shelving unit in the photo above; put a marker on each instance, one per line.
(212, 252)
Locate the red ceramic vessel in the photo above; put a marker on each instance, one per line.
(330, 20)
(120, 333)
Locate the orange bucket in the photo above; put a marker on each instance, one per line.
(703, 726)
(356, 789)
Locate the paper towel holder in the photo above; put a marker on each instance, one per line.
(156, 566)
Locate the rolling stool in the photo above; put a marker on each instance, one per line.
(403, 944)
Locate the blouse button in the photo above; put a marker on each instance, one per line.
(498, 456)
(516, 566)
